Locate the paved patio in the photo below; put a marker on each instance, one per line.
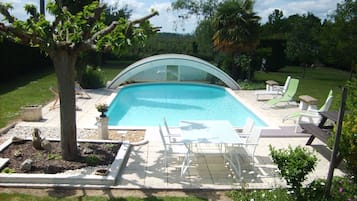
(144, 168)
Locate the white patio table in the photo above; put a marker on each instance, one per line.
(218, 134)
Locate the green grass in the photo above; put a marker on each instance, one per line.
(33, 89)
(112, 68)
(26, 197)
(23, 90)
(317, 82)
(342, 189)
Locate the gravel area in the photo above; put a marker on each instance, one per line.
(46, 132)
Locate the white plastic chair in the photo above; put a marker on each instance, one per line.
(247, 128)
(251, 142)
(311, 115)
(169, 147)
(173, 136)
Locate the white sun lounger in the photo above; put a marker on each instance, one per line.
(275, 90)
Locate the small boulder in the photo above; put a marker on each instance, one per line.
(36, 139)
(46, 145)
(87, 150)
(26, 165)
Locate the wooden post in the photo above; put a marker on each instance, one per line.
(42, 7)
(333, 160)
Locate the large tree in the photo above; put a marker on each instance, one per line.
(302, 40)
(237, 29)
(276, 27)
(340, 32)
(200, 8)
(63, 40)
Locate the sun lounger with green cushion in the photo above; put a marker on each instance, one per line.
(310, 114)
(275, 90)
(323, 108)
(288, 95)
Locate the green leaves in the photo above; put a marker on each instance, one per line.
(237, 26)
(80, 31)
(294, 164)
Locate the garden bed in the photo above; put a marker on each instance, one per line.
(99, 165)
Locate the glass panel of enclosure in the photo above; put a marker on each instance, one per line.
(174, 73)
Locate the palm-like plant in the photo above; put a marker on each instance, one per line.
(237, 28)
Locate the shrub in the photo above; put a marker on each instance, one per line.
(342, 189)
(54, 156)
(349, 130)
(261, 195)
(8, 170)
(294, 165)
(92, 78)
(243, 63)
(91, 160)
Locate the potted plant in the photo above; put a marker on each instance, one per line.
(102, 108)
(31, 112)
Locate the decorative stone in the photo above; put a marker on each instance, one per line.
(50, 170)
(46, 145)
(31, 113)
(87, 150)
(36, 139)
(102, 172)
(18, 153)
(26, 165)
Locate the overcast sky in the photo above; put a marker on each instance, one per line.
(168, 18)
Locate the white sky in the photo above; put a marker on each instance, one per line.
(169, 21)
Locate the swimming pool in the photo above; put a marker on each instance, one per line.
(147, 105)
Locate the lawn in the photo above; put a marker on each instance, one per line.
(23, 90)
(317, 82)
(27, 197)
(33, 89)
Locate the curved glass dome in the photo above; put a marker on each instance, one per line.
(175, 68)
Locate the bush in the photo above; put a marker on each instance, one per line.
(261, 195)
(342, 189)
(349, 130)
(243, 63)
(92, 78)
(294, 165)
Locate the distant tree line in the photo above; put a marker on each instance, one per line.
(16, 59)
(294, 40)
(303, 40)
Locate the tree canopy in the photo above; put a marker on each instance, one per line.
(302, 38)
(64, 39)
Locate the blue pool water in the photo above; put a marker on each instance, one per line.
(148, 104)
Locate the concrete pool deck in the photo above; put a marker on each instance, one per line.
(144, 168)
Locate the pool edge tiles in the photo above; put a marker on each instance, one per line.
(176, 101)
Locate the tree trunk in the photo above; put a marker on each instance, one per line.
(234, 67)
(64, 63)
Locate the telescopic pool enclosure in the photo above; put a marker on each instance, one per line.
(173, 68)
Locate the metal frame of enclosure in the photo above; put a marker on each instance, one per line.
(173, 68)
